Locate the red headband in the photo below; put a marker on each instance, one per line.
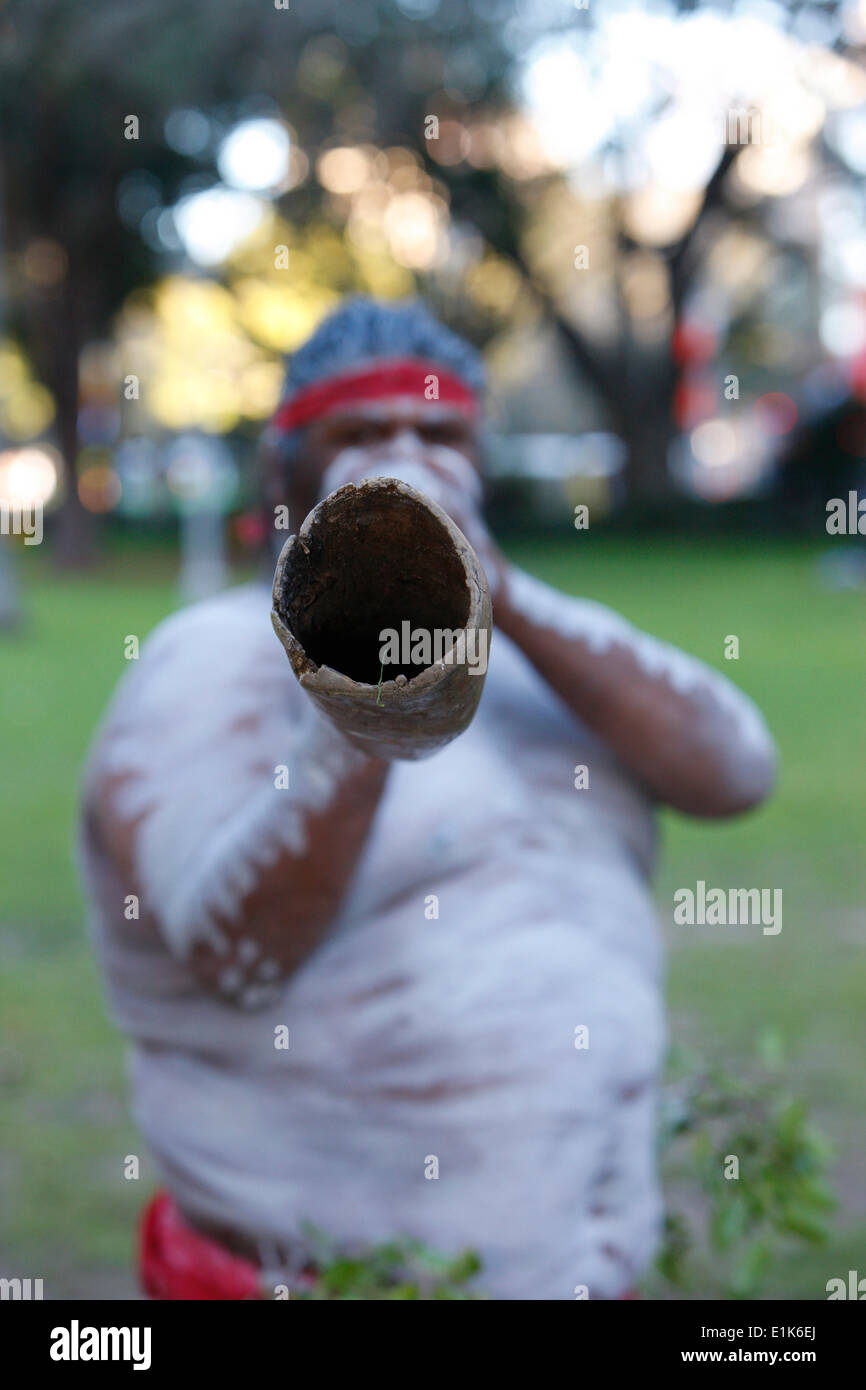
(401, 377)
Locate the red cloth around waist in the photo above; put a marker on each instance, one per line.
(178, 1263)
(175, 1262)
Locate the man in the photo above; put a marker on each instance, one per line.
(461, 953)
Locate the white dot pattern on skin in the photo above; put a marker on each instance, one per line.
(247, 951)
(254, 996)
(230, 980)
(267, 970)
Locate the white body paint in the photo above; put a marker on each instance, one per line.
(426, 466)
(410, 1036)
(197, 738)
(601, 629)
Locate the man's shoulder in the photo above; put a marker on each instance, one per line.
(233, 622)
(219, 644)
(199, 671)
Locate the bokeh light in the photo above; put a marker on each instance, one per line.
(99, 488)
(843, 328)
(29, 477)
(775, 413)
(26, 406)
(344, 170)
(211, 224)
(255, 155)
(714, 443)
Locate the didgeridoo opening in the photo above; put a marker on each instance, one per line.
(385, 614)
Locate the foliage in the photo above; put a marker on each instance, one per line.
(398, 1269)
(779, 1191)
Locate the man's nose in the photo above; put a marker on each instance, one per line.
(403, 440)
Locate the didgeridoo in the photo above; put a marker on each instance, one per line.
(374, 559)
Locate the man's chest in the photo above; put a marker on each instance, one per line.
(508, 792)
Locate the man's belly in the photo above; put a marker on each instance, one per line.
(481, 1078)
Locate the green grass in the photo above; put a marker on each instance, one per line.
(68, 1212)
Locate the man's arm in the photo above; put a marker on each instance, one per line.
(232, 810)
(695, 741)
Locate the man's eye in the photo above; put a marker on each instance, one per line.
(443, 433)
(353, 435)
(359, 434)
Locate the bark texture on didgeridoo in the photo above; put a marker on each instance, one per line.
(369, 558)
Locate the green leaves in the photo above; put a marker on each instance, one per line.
(399, 1269)
(750, 1269)
(729, 1222)
(758, 1166)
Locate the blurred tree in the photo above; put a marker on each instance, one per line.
(71, 76)
(530, 133)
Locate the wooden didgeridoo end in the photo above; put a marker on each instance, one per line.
(369, 558)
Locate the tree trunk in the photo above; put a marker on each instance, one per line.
(10, 610)
(10, 605)
(648, 481)
(76, 534)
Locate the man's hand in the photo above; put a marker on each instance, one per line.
(442, 474)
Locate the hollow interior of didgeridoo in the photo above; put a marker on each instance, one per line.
(374, 559)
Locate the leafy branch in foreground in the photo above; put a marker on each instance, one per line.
(742, 1152)
(399, 1269)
